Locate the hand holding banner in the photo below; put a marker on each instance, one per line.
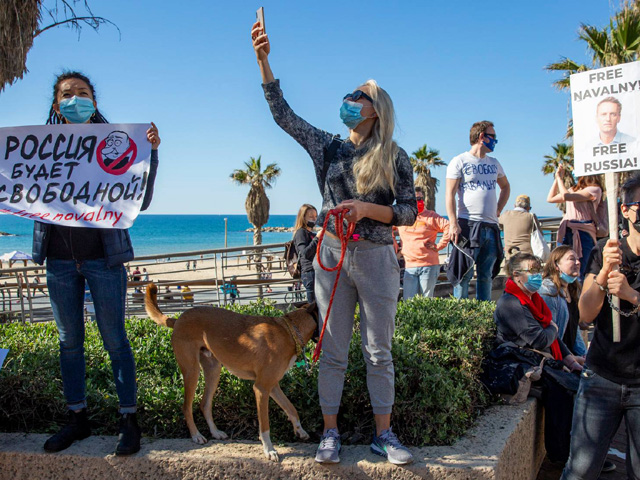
(606, 134)
(80, 175)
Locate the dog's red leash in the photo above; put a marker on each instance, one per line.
(344, 237)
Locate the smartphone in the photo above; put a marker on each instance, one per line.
(462, 241)
(260, 18)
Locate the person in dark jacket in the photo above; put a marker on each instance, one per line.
(75, 255)
(306, 243)
(524, 320)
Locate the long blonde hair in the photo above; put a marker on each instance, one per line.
(300, 221)
(376, 169)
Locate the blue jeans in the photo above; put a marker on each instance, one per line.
(108, 286)
(587, 245)
(308, 280)
(485, 257)
(420, 281)
(600, 407)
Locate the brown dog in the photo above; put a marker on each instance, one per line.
(251, 347)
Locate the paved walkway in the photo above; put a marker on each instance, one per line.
(548, 471)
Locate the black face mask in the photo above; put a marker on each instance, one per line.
(311, 224)
(636, 224)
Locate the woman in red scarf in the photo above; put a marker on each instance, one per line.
(522, 316)
(525, 323)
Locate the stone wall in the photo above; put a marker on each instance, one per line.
(505, 444)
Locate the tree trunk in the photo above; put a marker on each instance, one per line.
(428, 185)
(257, 258)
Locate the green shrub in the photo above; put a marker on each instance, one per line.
(438, 348)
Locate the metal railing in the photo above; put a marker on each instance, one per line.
(184, 279)
(212, 277)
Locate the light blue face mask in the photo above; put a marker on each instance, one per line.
(534, 282)
(567, 278)
(350, 114)
(77, 109)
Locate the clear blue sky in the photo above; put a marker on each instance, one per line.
(189, 67)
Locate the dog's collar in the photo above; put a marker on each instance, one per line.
(295, 335)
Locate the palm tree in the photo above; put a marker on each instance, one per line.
(257, 203)
(618, 42)
(21, 22)
(422, 161)
(562, 155)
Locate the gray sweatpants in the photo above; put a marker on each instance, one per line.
(371, 277)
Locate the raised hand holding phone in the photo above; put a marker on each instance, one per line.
(260, 18)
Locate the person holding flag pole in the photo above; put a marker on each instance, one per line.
(610, 382)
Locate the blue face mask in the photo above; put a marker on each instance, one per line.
(77, 109)
(350, 114)
(490, 143)
(534, 282)
(567, 278)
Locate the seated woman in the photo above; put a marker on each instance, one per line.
(523, 318)
(561, 291)
(525, 324)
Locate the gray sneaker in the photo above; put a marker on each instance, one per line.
(329, 448)
(387, 445)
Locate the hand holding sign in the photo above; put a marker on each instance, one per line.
(89, 175)
(153, 136)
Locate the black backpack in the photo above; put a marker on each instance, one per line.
(291, 259)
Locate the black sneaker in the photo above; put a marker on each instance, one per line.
(608, 466)
(77, 428)
(129, 438)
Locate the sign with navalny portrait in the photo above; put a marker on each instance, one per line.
(88, 175)
(606, 120)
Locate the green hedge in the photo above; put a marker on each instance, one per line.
(438, 349)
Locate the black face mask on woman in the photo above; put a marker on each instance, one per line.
(311, 224)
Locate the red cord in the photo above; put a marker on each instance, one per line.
(344, 239)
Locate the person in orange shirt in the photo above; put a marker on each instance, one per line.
(420, 250)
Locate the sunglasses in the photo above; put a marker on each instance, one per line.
(491, 135)
(631, 204)
(357, 95)
(533, 270)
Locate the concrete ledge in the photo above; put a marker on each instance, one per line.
(505, 444)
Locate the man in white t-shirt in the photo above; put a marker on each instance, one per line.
(474, 177)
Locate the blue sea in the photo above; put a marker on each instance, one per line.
(158, 234)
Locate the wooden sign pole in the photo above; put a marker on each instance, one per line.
(611, 184)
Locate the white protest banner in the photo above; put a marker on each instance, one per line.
(86, 175)
(606, 124)
(606, 128)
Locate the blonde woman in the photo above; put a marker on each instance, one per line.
(371, 177)
(306, 243)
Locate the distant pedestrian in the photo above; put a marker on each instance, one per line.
(195, 263)
(578, 228)
(188, 264)
(475, 176)
(37, 285)
(306, 243)
(518, 225)
(420, 250)
(145, 275)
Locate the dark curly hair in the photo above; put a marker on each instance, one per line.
(54, 117)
